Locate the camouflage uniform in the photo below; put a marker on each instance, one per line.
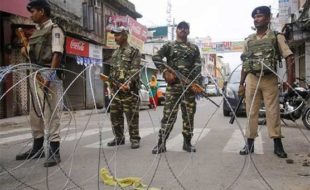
(125, 66)
(185, 58)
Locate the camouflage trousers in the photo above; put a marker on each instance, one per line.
(171, 107)
(127, 104)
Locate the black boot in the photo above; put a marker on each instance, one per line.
(248, 148)
(135, 144)
(262, 122)
(117, 141)
(54, 155)
(278, 148)
(160, 147)
(187, 145)
(36, 151)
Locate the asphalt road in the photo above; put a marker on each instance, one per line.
(216, 165)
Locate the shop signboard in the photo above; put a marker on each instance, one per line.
(222, 47)
(95, 51)
(110, 41)
(85, 52)
(77, 47)
(137, 32)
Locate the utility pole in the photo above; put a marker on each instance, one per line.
(214, 61)
(172, 29)
(169, 20)
(168, 13)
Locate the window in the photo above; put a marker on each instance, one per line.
(88, 16)
(92, 16)
(98, 20)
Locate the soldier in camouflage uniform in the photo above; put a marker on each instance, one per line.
(124, 81)
(260, 57)
(184, 57)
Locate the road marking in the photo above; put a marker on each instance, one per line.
(81, 134)
(143, 133)
(176, 143)
(14, 131)
(15, 138)
(236, 143)
(23, 137)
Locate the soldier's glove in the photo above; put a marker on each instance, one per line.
(241, 91)
(169, 76)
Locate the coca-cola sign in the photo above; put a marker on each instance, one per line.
(77, 47)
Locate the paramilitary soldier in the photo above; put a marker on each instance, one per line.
(45, 49)
(184, 57)
(124, 81)
(260, 57)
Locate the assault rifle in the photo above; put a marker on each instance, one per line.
(186, 81)
(104, 77)
(21, 35)
(233, 117)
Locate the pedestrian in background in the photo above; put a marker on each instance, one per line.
(124, 80)
(184, 57)
(107, 96)
(153, 92)
(260, 57)
(46, 46)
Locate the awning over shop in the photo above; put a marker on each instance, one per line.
(16, 7)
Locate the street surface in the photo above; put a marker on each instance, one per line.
(216, 165)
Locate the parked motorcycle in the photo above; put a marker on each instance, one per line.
(295, 104)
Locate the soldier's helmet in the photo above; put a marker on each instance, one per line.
(120, 29)
(39, 4)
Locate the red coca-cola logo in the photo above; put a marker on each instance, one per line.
(78, 45)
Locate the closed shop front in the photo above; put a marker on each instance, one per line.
(83, 65)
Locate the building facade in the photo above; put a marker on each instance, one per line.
(297, 32)
(84, 23)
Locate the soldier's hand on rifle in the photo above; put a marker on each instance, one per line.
(241, 91)
(169, 76)
(196, 89)
(125, 87)
(24, 52)
(104, 77)
(46, 84)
